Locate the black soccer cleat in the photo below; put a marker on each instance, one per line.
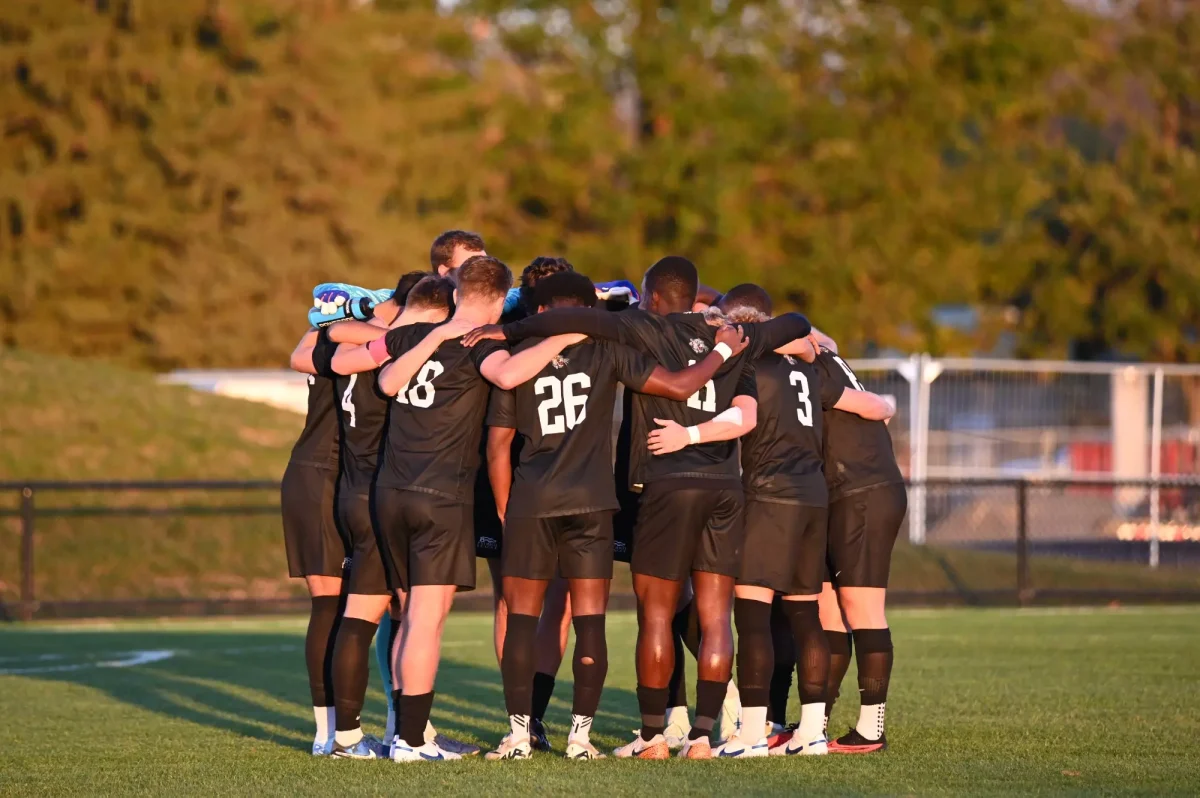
(854, 743)
(537, 735)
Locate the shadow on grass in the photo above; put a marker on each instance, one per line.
(256, 686)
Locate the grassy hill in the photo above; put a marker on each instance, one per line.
(74, 420)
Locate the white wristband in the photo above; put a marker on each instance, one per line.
(693, 434)
(724, 350)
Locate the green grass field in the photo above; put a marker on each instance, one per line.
(1045, 702)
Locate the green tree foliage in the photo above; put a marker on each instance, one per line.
(175, 176)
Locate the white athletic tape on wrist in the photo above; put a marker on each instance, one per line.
(733, 415)
(693, 434)
(724, 350)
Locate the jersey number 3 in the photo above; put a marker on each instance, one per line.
(804, 411)
(569, 394)
(421, 394)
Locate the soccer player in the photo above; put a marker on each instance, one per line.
(689, 518)
(362, 417)
(426, 478)
(451, 250)
(316, 551)
(867, 504)
(785, 518)
(554, 625)
(558, 508)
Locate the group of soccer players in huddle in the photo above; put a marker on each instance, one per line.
(732, 458)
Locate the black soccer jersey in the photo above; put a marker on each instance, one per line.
(565, 416)
(363, 417)
(318, 441)
(858, 452)
(676, 341)
(435, 425)
(782, 456)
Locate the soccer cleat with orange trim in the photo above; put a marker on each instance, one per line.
(854, 743)
(654, 748)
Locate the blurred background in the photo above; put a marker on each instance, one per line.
(993, 205)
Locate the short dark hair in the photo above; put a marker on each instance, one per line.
(565, 288)
(483, 277)
(432, 293)
(442, 251)
(405, 284)
(675, 279)
(746, 302)
(539, 268)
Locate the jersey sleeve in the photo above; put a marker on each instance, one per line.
(632, 367)
(834, 378)
(747, 384)
(767, 336)
(502, 409)
(322, 355)
(485, 349)
(400, 340)
(831, 390)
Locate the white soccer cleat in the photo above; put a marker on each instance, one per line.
(736, 747)
(678, 727)
(511, 748)
(322, 747)
(429, 752)
(582, 751)
(696, 749)
(654, 748)
(368, 747)
(798, 747)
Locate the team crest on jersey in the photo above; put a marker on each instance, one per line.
(791, 360)
(559, 362)
(698, 346)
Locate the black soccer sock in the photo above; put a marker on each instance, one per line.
(414, 714)
(812, 650)
(396, 709)
(785, 660)
(677, 687)
(839, 662)
(351, 670)
(652, 704)
(318, 648)
(709, 697)
(543, 691)
(516, 666)
(590, 664)
(755, 652)
(873, 648)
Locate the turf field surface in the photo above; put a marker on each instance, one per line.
(1045, 702)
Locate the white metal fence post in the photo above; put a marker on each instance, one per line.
(911, 370)
(1155, 463)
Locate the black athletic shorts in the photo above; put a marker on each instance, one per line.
(683, 528)
(425, 539)
(367, 576)
(624, 522)
(785, 547)
(572, 546)
(489, 532)
(862, 532)
(310, 533)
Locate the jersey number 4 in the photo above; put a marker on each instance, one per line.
(421, 394)
(804, 411)
(704, 399)
(570, 394)
(348, 399)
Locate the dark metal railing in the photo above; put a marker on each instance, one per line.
(28, 512)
